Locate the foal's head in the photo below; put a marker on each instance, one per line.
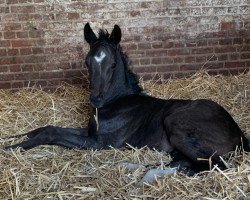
(107, 67)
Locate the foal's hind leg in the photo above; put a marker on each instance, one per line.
(51, 135)
(184, 164)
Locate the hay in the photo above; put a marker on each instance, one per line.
(50, 172)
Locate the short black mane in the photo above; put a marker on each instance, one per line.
(104, 37)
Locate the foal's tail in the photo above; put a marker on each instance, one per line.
(246, 144)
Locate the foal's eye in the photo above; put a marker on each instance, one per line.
(113, 66)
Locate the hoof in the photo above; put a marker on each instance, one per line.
(153, 175)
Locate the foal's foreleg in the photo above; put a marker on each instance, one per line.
(52, 135)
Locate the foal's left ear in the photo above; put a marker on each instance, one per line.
(116, 34)
(89, 35)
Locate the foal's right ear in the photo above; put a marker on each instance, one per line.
(89, 35)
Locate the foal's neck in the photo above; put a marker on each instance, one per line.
(126, 80)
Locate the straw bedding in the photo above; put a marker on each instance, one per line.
(51, 172)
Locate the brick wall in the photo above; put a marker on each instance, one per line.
(41, 41)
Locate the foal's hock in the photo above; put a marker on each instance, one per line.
(193, 131)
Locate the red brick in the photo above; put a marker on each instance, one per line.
(175, 52)
(222, 57)
(136, 54)
(167, 60)
(144, 61)
(235, 64)
(9, 35)
(15, 68)
(25, 1)
(143, 46)
(201, 43)
(190, 59)
(65, 66)
(200, 59)
(156, 53)
(212, 58)
(238, 41)
(13, 52)
(12, 1)
(22, 9)
(40, 42)
(4, 43)
(135, 61)
(225, 49)
(247, 40)
(148, 69)
(131, 46)
(191, 44)
(12, 26)
(26, 76)
(4, 61)
(245, 48)
(77, 81)
(205, 50)
(225, 41)
(73, 16)
(36, 17)
(23, 17)
(36, 33)
(156, 61)
(25, 51)
(38, 1)
(168, 45)
(71, 73)
(37, 50)
(135, 13)
(157, 45)
(3, 52)
(212, 42)
(5, 85)
(27, 68)
(6, 77)
(213, 65)
(49, 50)
(178, 60)
(11, 60)
(17, 84)
(55, 82)
(4, 10)
(34, 59)
(179, 44)
(227, 25)
(4, 69)
(245, 55)
(188, 67)
(77, 65)
(167, 68)
(22, 34)
(21, 43)
(234, 56)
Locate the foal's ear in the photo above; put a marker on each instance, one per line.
(116, 34)
(89, 35)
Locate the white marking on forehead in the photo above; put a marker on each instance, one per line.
(100, 58)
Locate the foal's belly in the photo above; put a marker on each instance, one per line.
(136, 121)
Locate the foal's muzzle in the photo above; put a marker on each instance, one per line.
(96, 101)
